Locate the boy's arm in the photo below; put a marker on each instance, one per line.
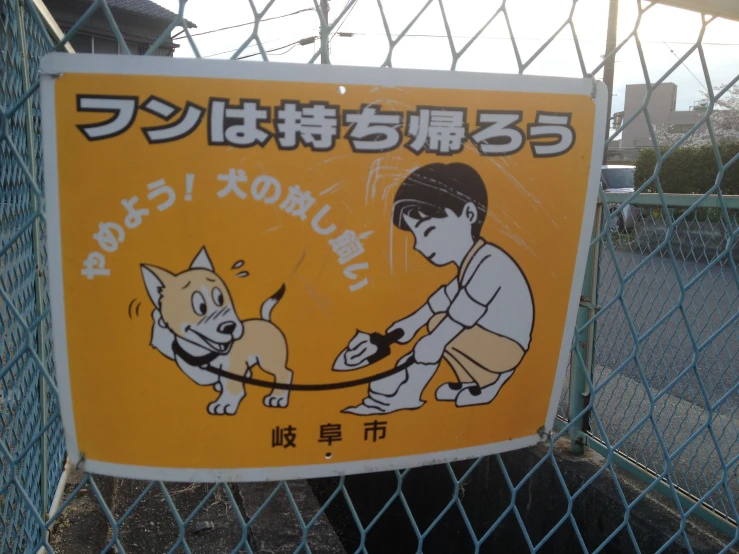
(437, 303)
(469, 305)
(476, 296)
(430, 348)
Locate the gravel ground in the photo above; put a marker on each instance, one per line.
(151, 528)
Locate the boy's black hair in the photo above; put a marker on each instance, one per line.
(430, 189)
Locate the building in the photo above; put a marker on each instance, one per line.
(139, 21)
(661, 112)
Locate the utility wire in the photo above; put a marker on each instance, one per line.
(245, 24)
(336, 32)
(288, 46)
(250, 46)
(303, 42)
(283, 53)
(687, 68)
(540, 39)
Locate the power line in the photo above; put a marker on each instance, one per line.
(245, 24)
(302, 42)
(285, 52)
(686, 67)
(292, 44)
(250, 46)
(541, 39)
(288, 46)
(221, 53)
(336, 32)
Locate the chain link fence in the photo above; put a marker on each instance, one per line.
(653, 383)
(32, 445)
(674, 276)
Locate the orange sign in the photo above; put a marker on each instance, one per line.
(266, 271)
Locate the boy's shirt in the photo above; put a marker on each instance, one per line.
(489, 291)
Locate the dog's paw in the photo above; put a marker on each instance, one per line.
(224, 406)
(277, 399)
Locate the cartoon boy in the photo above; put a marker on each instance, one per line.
(481, 322)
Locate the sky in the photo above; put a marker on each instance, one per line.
(666, 33)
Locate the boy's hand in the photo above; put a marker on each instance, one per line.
(411, 324)
(428, 350)
(408, 326)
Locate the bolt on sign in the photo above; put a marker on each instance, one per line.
(273, 271)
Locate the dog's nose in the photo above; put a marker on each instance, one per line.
(227, 327)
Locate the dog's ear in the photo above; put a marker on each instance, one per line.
(202, 261)
(156, 280)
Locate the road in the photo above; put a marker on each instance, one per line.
(710, 305)
(649, 296)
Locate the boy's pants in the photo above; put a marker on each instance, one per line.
(478, 355)
(475, 355)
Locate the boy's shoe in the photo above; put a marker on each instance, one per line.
(474, 395)
(449, 391)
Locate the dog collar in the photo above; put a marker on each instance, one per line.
(197, 361)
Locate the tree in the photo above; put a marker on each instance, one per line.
(724, 121)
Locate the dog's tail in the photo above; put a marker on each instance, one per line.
(271, 302)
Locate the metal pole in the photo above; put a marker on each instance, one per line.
(584, 343)
(610, 66)
(324, 32)
(39, 296)
(51, 24)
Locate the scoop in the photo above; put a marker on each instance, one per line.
(365, 349)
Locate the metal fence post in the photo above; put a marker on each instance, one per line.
(324, 33)
(37, 246)
(584, 343)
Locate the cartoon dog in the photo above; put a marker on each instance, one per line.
(196, 325)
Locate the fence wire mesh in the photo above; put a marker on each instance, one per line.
(682, 296)
(657, 393)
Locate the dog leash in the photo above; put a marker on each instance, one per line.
(204, 363)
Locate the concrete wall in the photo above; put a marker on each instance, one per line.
(682, 122)
(626, 156)
(661, 105)
(485, 496)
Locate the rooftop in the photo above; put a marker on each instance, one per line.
(145, 8)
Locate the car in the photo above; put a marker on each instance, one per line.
(620, 179)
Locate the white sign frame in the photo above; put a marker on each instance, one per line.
(54, 65)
